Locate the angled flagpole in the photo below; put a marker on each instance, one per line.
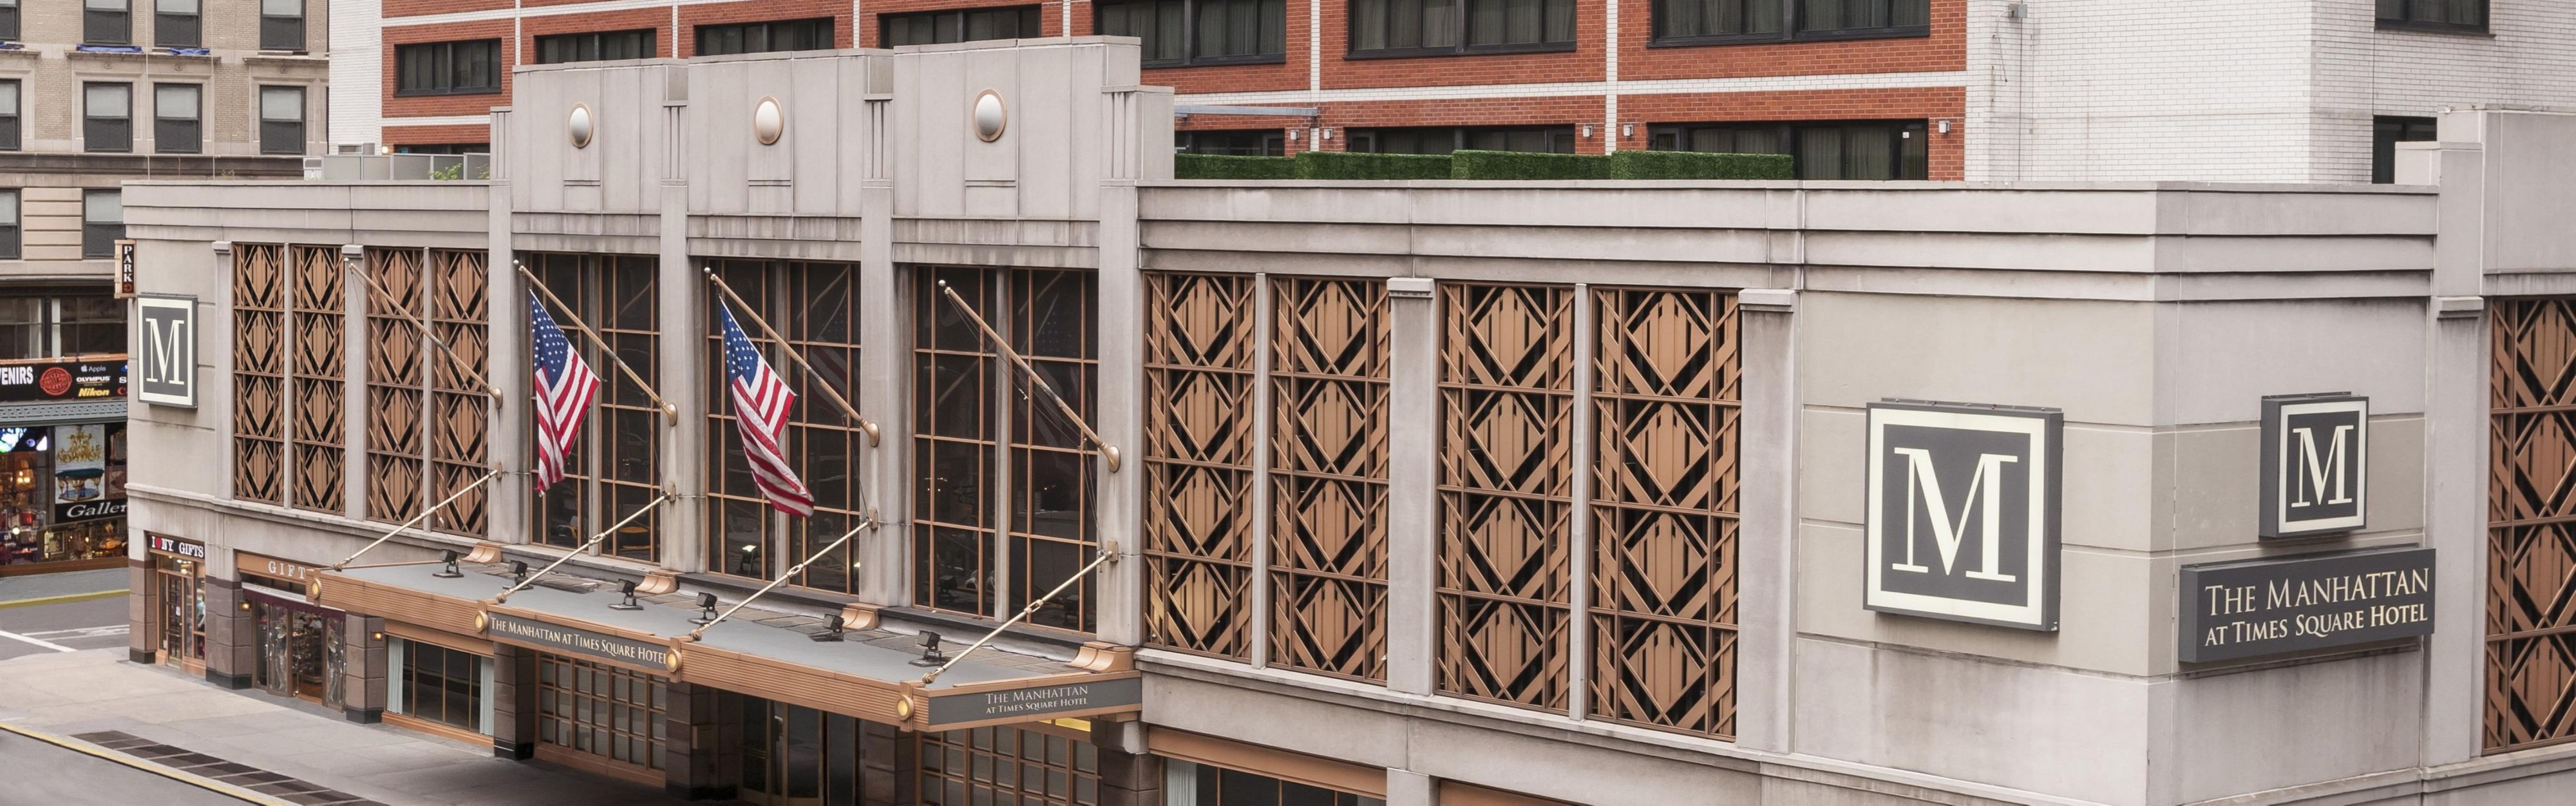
(1108, 551)
(488, 475)
(670, 411)
(870, 523)
(425, 332)
(585, 546)
(865, 424)
(1107, 451)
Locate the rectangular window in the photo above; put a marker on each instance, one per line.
(2441, 15)
(8, 115)
(448, 68)
(614, 466)
(1879, 149)
(602, 711)
(1180, 33)
(9, 20)
(962, 25)
(1704, 22)
(2386, 133)
(175, 24)
(281, 25)
(9, 238)
(107, 117)
(102, 222)
(106, 22)
(777, 36)
(1855, 18)
(815, 306)
(441, 686)
(281, 120)
(1192, 784)
(1440, 27)
(1538, 139)
(1245, 143)
(596, 46)
(177, 124)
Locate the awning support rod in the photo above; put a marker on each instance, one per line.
(1107, 451)
(585, 546)
(823, 383)
(343, 564)
(1108, 551)
(462, 367)
(790, 573)
(668, 410)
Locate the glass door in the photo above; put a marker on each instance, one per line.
(795, 756)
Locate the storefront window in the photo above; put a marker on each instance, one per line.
(299, 642)
(179, 603)
(1190, 784)
(62, 494)
(601, 711)
(439, 685)
(1007, 765)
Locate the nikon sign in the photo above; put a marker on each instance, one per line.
(1963, 503)
(2316, 469)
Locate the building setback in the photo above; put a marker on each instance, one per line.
(1373, 492)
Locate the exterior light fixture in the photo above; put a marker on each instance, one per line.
(1292, 135)
(627, 587)
(518, 571)
(1328, 132)
(831, 628)
(1587, 131)
(450, 571)
(378, 636)
(1627, 130)
(930, 650)
(1945, 127)
(707, 603)
(245, 605)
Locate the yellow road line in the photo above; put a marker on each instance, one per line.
(68, 597)
(208, 784)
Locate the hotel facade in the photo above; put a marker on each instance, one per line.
(1369, 492)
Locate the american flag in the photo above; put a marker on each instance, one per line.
(565, 387)
(760, 403)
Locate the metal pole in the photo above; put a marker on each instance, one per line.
(1108, 551)
(871, 523)
(416, 519)
(865, 424)
(427, 333)
(585, 546)
(1107, 451)
(667, 409)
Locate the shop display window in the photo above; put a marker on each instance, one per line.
(179, 610)
(300, 651)
(439, 685)
(1191, 784)
(1007, 765)
(61, 493)
(601, 711)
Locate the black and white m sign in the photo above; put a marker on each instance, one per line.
(2316, 468)
(1963, 503)
(165, 350)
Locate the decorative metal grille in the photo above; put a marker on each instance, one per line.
(1506, 492)
(321, 313)
(459, 286)
(1200, 354)
(2531, 526)
(396, 446)
(1666, 403)
(1328, 477)
(259, 372)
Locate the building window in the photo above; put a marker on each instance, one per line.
(776, 36)
(1005, 482)
(1438, 27)
(614, 465)
(2441, 15)
(8, 115)
(281, 120)
(106, 22)
(440, 686)
(107, 117)
(175, 24)
(961, 25)
(601, 711)
(102, 222)
(1180, 33)
(2386, 133)
(9, 238)
(1890, 149)
(815, 306)
(448, 68)
(177, 127)
(1244, 143)
(281, 25)
(596, 46)
(1192, 784)
(61, 326)
(1703, 22)
(960, 767)
(1541, 139)
(9, 20)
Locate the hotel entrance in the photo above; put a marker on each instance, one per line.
(793, 756)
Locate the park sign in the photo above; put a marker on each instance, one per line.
(2252, 608)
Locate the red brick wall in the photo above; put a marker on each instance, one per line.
(417, 105)
(1050, 15)
(436, 135)
(413, 8)
(1945, 49)
(1583, 63)
(1946, 157)
(759, 10)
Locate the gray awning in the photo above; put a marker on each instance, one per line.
(13, 415)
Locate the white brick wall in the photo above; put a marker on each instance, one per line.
(357, 77)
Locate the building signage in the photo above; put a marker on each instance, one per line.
(1036, 702)
(124, 268)
(538, 634)
(274, 568)
(52, 381)
(89, 510)
(2316, 468)
(165, 350)
(2266, 607)
(170, 545)
(1962, 520)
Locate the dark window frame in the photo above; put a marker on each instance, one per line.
(1189, 30)
(829, 31)
(98, 240)
(91, 135)
(164, 126)
(1793, 16)
(1267, 142)
(1787, 133)
(2386, 131)
(9, 24)
(167, 25)
(1021, 16)
(273, 128)
(1461, 137)
(283, 32)
(10, 128)
(597, 43)
(440, 76)
(13, 233)
(2403, 15)
(94, 21)
(1459, 29)
(457, 701)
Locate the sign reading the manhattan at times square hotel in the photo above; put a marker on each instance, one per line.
(2310, 601)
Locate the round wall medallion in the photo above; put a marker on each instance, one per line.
(990, 117)
(768, 121)
(579, 125)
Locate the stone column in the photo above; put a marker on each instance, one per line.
(141, 610)
(1409, 788)
(1128, 775)
(691, 751)
(232, 635)
(1767, 576)
(1413, 500)
(514, 702)
(362, 647)
(890, 771)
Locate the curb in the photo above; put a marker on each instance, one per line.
(210, 785)
(68, 597)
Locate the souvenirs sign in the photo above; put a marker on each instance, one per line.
(50, 381)
(2251, 608)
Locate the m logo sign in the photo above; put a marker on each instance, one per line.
(2316, 468)
(165, 350)
(1963, 513)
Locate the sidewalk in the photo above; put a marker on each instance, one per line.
(66, 693)
(19, 589)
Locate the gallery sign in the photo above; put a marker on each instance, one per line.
(50, 381)
(2316, 470)
(89, 510)
(165, 350)
(577, 641)
(2251, 608)
(1962, 512)
(1037, 702)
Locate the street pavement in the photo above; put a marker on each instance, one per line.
(40, 773)
(62, 627)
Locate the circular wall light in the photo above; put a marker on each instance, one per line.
(579, 125)
(990, 117)
(768, 121)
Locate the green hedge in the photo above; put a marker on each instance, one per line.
(1354, 165)
(1695, 165)
(1212, 166)
(1473, 164)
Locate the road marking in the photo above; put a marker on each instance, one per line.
(80, 632)
(39, 642)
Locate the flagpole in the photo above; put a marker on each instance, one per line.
(416, 519)
(1108, 552)
(585, 546)
(865, 424)
(870, 523)
(425, 331)
(667, 409)
(1107, 451)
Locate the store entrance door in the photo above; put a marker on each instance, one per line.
(795, 756)
(299, 648)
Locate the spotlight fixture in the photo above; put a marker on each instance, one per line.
(930, 650)
(831, 628)
(627, 587)
(450, 571)
(706, 602)
(518, 571)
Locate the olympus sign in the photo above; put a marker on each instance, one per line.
(1963, 512)
(2316, 469)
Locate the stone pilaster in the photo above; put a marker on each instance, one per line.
(890, 765)
(232, 636)
(362, 647)
(140, 609)
(692, 757)
(1128, 775)
(514, 702)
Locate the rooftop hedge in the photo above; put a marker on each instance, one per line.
(1212, 166)
(1696, 165)
(1356, 165)
(1473, 164)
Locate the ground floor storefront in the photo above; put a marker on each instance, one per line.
(62, 469)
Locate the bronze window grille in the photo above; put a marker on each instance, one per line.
(1328, 476)
(1017, 765)
(816, 307)
(459, 287)
(614, 466)
(317, 280)
(259, 372)
(397, 385)
(1200, 352)
(602, 711)
(2531, 526)
(1506, 492)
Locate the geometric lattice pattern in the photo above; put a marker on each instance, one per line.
(458, 287)
(1200, 355)
(1506, 492)
(397, 398)
(316, 282)
(259, 372)
(2531, 526)
(1666, 405)
(1328, 476)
